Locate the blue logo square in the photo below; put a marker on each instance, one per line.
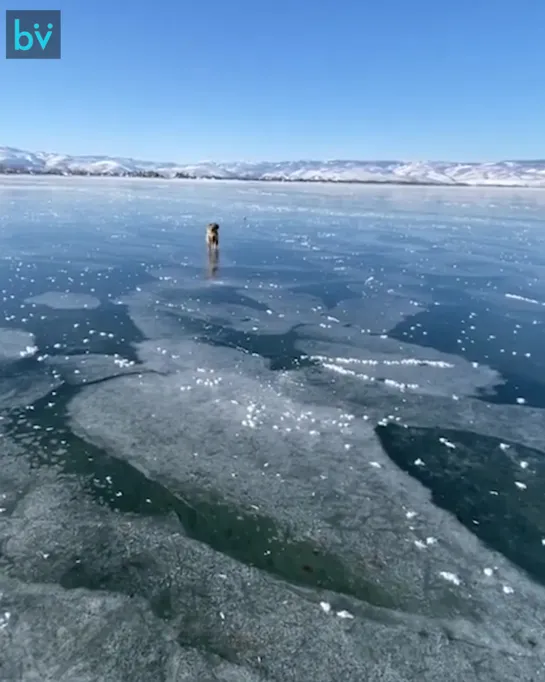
(33, 34)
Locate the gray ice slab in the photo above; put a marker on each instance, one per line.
(60, 300)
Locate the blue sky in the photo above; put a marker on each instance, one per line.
(187, 80)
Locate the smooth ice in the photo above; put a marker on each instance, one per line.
(324, 459)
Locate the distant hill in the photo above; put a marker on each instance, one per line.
(501, 173)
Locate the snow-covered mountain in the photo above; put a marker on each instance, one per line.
(501, 173)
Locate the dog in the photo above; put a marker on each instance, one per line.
(212, 236)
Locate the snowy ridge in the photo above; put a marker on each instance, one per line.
(501, 173)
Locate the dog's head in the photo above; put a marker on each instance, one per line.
(213, 228)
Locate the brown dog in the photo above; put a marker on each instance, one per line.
(212, 235)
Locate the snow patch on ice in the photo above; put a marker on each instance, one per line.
(450, 577)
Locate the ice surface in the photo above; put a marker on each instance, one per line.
(272, 436)
(168, 607)
(311, 462)
(65, 301)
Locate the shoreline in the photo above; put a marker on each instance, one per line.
(272, 180)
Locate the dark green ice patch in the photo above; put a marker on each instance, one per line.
(106, 330)
(70, 328)
(488, 337)
(476, 481)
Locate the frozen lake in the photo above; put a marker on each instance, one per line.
(320, 457)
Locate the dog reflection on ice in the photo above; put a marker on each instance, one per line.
(213, 262)
(213, 243)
